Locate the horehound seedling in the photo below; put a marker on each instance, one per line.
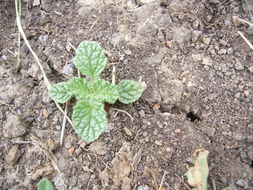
(89, 117)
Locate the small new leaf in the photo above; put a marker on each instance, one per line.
(129, 91)
(90, 59)
(79, 87)
(89, 119)
(104, 91)
(45, 184)
(60, 92)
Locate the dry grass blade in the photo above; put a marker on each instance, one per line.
(21, 31)
(123, 111)
(113, 74)
(64, 124)
(46, 151)
(161, 184)
(187, 186)
(246, 40)
(247, 4)
(19, 38)
(214, 185)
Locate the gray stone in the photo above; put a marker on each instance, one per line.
(250, 138)
(60, 181)
(206, 40)
(239, 66)
(13, 127)
(207, 61)
(214, 1)
(195, 35)
(68, 46)
(230, 187)
(68, 70)
(45, 97)
(171, 91)
(243, 155)
(143, 187)
(36, 3)
(197, 57)
(222, 51)
(250, 155)
(43, 38)
(230, 51)
(238, 136)
(181, 35)
(128, 52)
(209, 130)
(195, 24)
(223, 42)
(242, 183)
(142, 113)
(251, 69)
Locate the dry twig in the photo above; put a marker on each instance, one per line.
(161, 184)
(187, 186)
(47, 83)
(123, 111)
(246, 40)
(44, 148)
(214, 185)
(64, 124)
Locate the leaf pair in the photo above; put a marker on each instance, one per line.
(98, 90)
(89, 116)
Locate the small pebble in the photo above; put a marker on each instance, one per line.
(222, 51)
(250, 155)
(13, 155)
(128, 132)
(13, 127)
(159, 143)
(52, 144)
(214, 1)
(143, 187)
(251, 69)
(145, 134)
(239, 66)
(71, 151)
(142, 113)
(206, 40)
(177, 131)
(242, 183)
(209, 18)
(128, 52)
(168, 149)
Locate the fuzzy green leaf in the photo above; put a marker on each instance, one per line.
(60, 92)
(89, 119)
(45, 184)
(78, 87)
(103, 91)
(129, 91)
(90, 58)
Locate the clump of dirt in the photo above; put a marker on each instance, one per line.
(198, 73)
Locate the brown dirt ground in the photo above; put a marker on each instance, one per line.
(199, 80)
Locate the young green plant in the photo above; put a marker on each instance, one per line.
(89, 117)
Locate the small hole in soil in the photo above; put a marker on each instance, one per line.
(193, 117)
(251, 164)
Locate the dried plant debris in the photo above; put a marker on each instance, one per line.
(123, 166)
(197, 175)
